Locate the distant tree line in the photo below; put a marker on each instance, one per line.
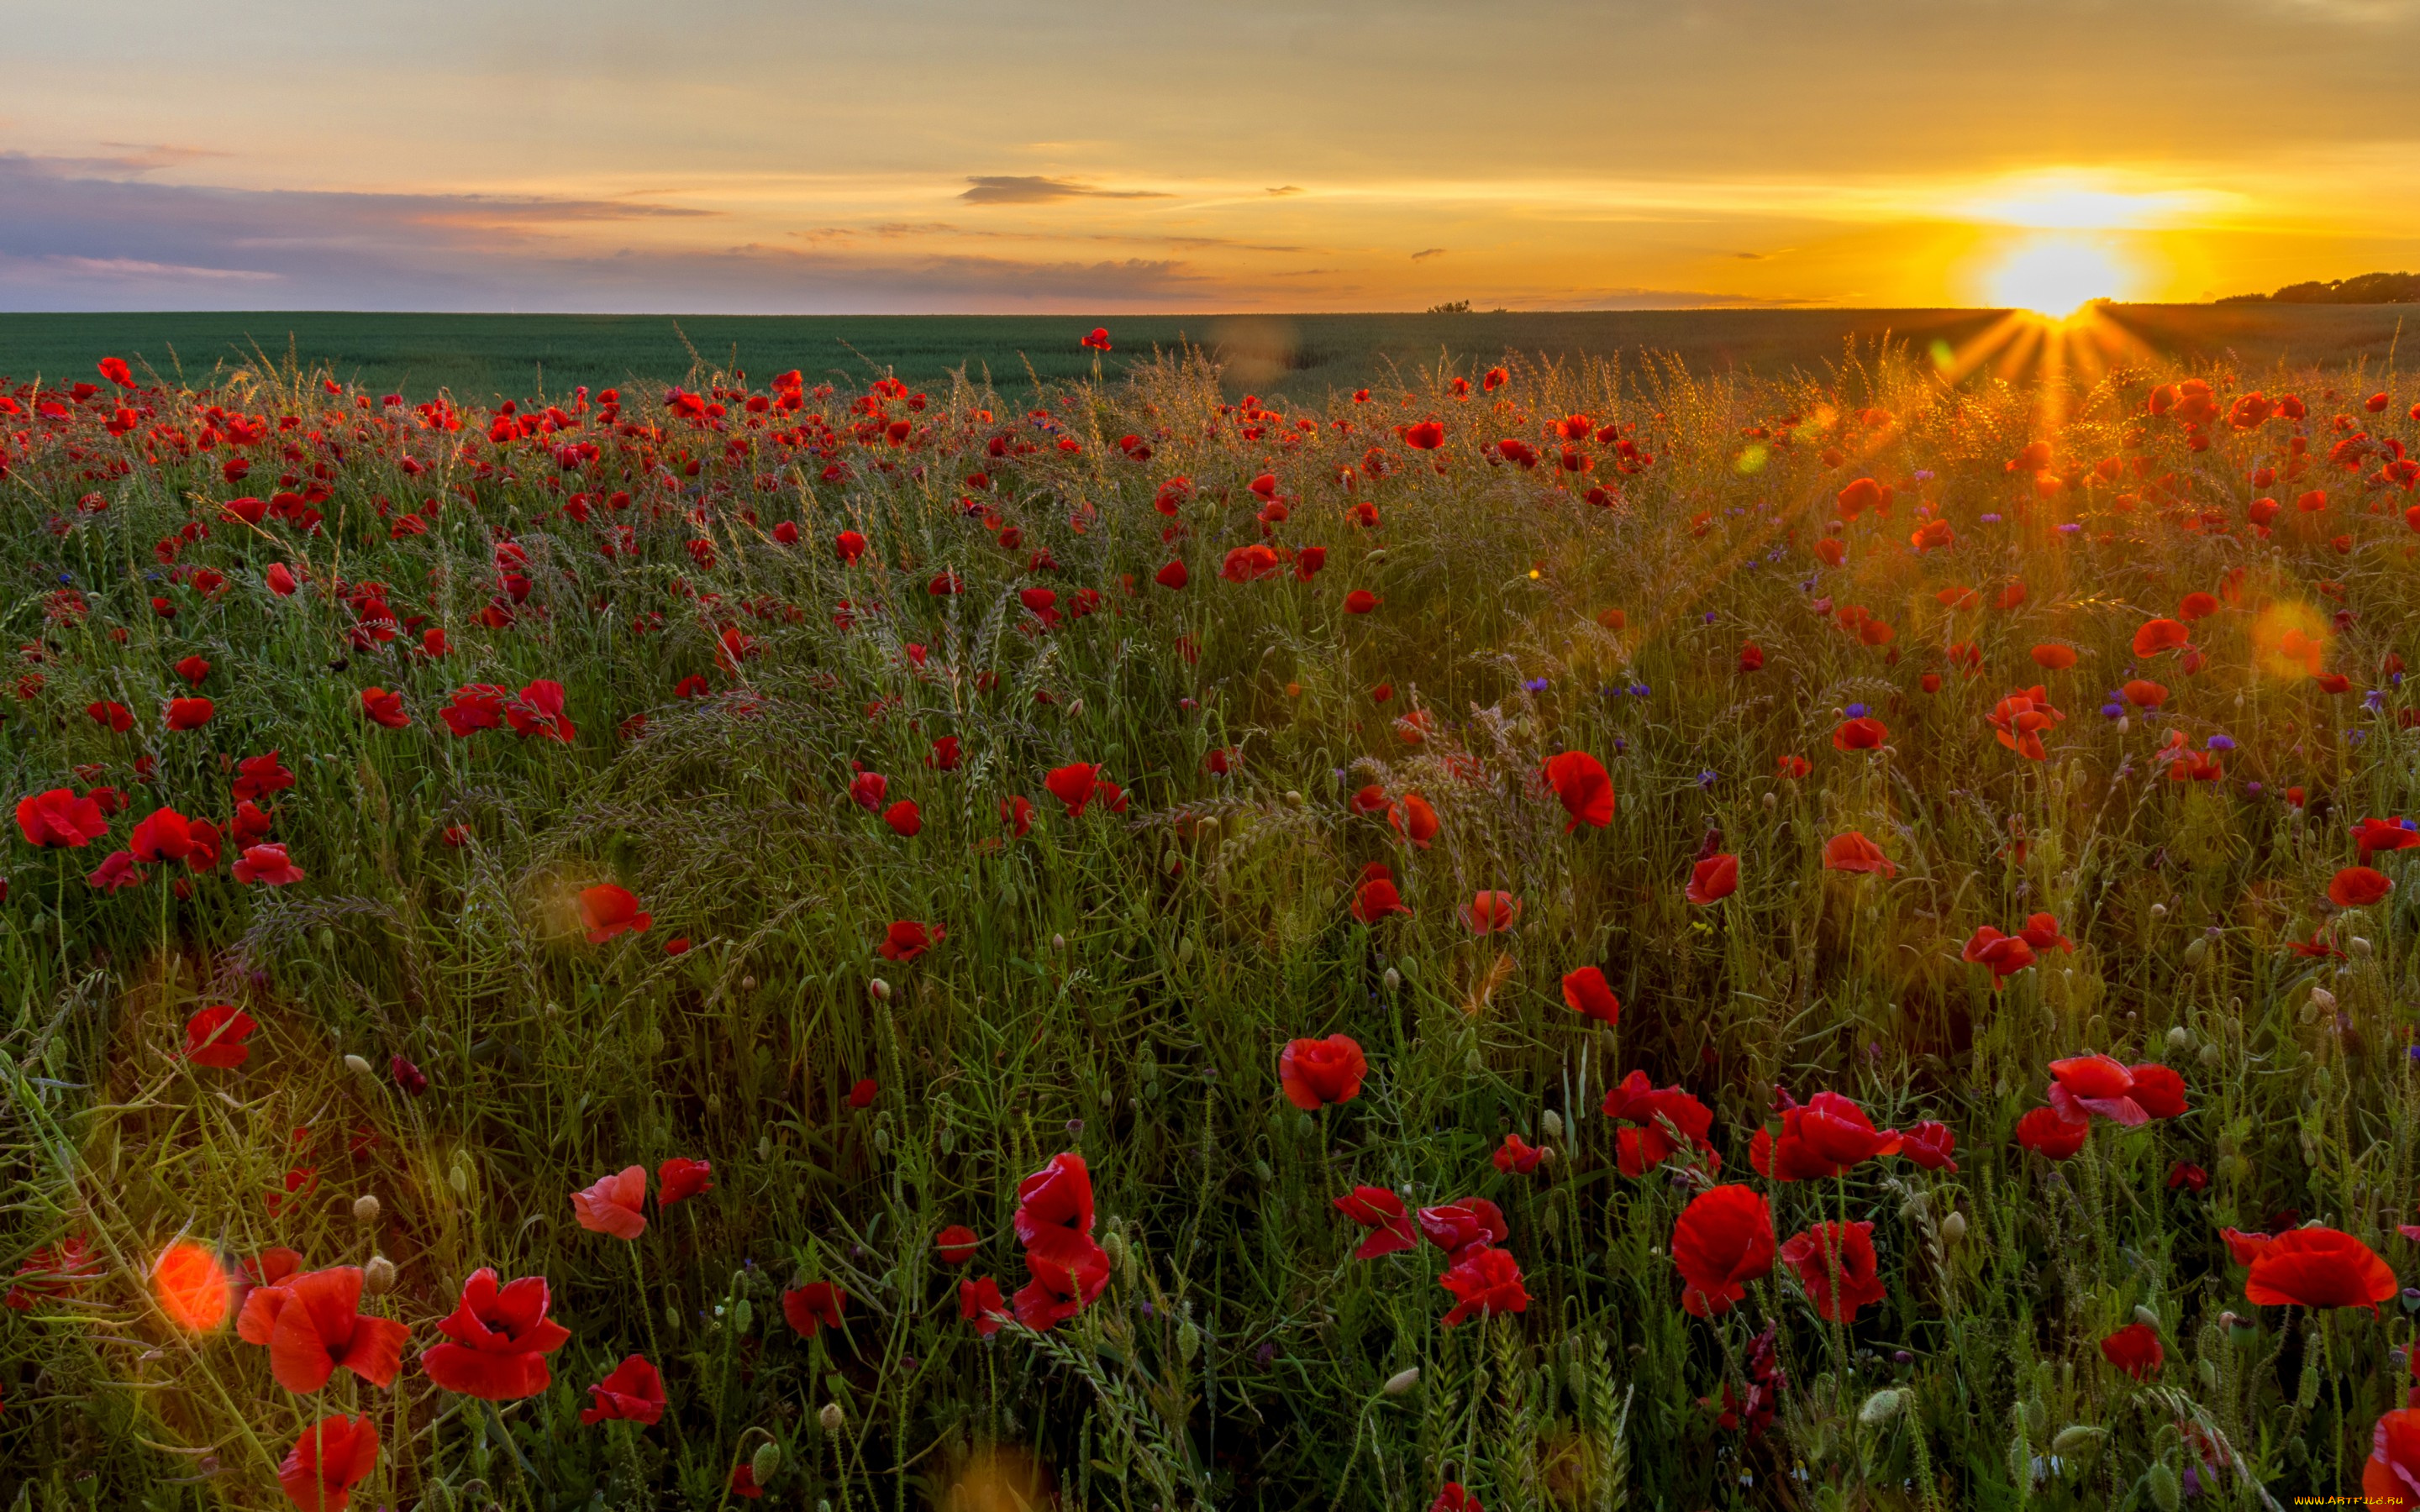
(2369, 288)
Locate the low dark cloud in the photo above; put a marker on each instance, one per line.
(1025, 189)
(74, 239)
(1426, 253)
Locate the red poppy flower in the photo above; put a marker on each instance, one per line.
(1483, 1282)
(2005, 954)
(1074, 786)
(1361, 601)
(497, 1340)
(1587, 994)
(956, 1244)
(1792, 766)
(680, 1179)
(2190, 1176)
(1517, 1156)
(1427, 436)
(2159, 1090)
(1017, 814)
(634, 1393)
(743, 1477)
(813, 1307)
(980, 1303)
(190, 714)
(615, 1204)
(2019, 719)
(312, 1326)
(1308, 561)
(1722, 1240)
(538, 711)
(2052, 658)
(2145, 694)
(1751, 657)
(2013, 596)
(1172, 575)
(1713, 880)
(1382, 1213)
(1835, 1264)
(2390, 1477)
(1864, 733)
(1069, 1272)
(1452, 1498)
(608, 909)
(2375, 835)
(1859, 496)
(1099, 339)
(1579, 779)
(2042, 932)
(2357, 887)
(214, 1036)
(2047, 1134)
(1827, 1136)
(1637, 1101)
(332, 1457)
(114, 717)
(2085, 1085)
(904, 818)
(193, 1288)
(1249, 563)
(2161, 634)
(267, 865)
(1376, 898)
(1316, 1072)
(1849, 851)
(2318, 1267)
(863, 1094)
(906, 939)
(166, 836)
(1457, 1227)
(2135, 1348)
(867, 790)
(1059, 1196)
(944, 754)
(1411, 817)
(384, 708)
(849, 546)
(1930, 1144)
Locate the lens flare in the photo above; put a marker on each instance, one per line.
(2057, 276)
(193, 1289)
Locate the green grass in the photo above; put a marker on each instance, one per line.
(1120, 985)
(481, 357)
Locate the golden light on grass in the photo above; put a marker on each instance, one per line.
(999, 1480)
(193, 1288)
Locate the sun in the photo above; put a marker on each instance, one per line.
(2056, 276)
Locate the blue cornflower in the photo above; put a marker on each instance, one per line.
(2220, 743)
(1534, 684)
(1706, 780)
(1855, 711)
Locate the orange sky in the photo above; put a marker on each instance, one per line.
(946, 155)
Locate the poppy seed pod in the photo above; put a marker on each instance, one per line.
(1402, 1381)
(365, 1209)
(832, 1418)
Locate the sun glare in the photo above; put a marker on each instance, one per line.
(2056, 276)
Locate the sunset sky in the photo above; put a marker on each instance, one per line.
(948, 155)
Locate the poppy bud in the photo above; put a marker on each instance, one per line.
(2358, 946)
(1293, 798)
(1394, 981)
(2077, 1439)
(1953, 1229)
(358, 1066)
(2179, 1038)
(877, 989)
(747, 984)
(2209, 1055)
(377, 1278)
(2124, 724)
(2160, 1482)
(365, 1209)
(1185, 951)
(459, 1180)
(765, 1462)
(831, 1417)
(714, 1103)
(2159, 910)
(1882, 1407)
(1551, 1125)
(1402, 1381)
(1075, 708)
(1058, 942)
(1188, 1341)
(2197, 953)
(1113, 1244)
(1170, 863)
(2322, 999)
(1770, 801)
(2146, 1316)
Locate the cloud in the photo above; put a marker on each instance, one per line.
(1285, 190)
(1426, 253)
(1764, 256)
(1026, 189)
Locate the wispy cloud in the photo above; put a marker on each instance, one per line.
(1019, 188)
(1426, 253)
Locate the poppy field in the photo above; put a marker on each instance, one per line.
(1544, 936)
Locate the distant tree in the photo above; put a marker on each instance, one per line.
(2369, 288)
(1453, 307)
